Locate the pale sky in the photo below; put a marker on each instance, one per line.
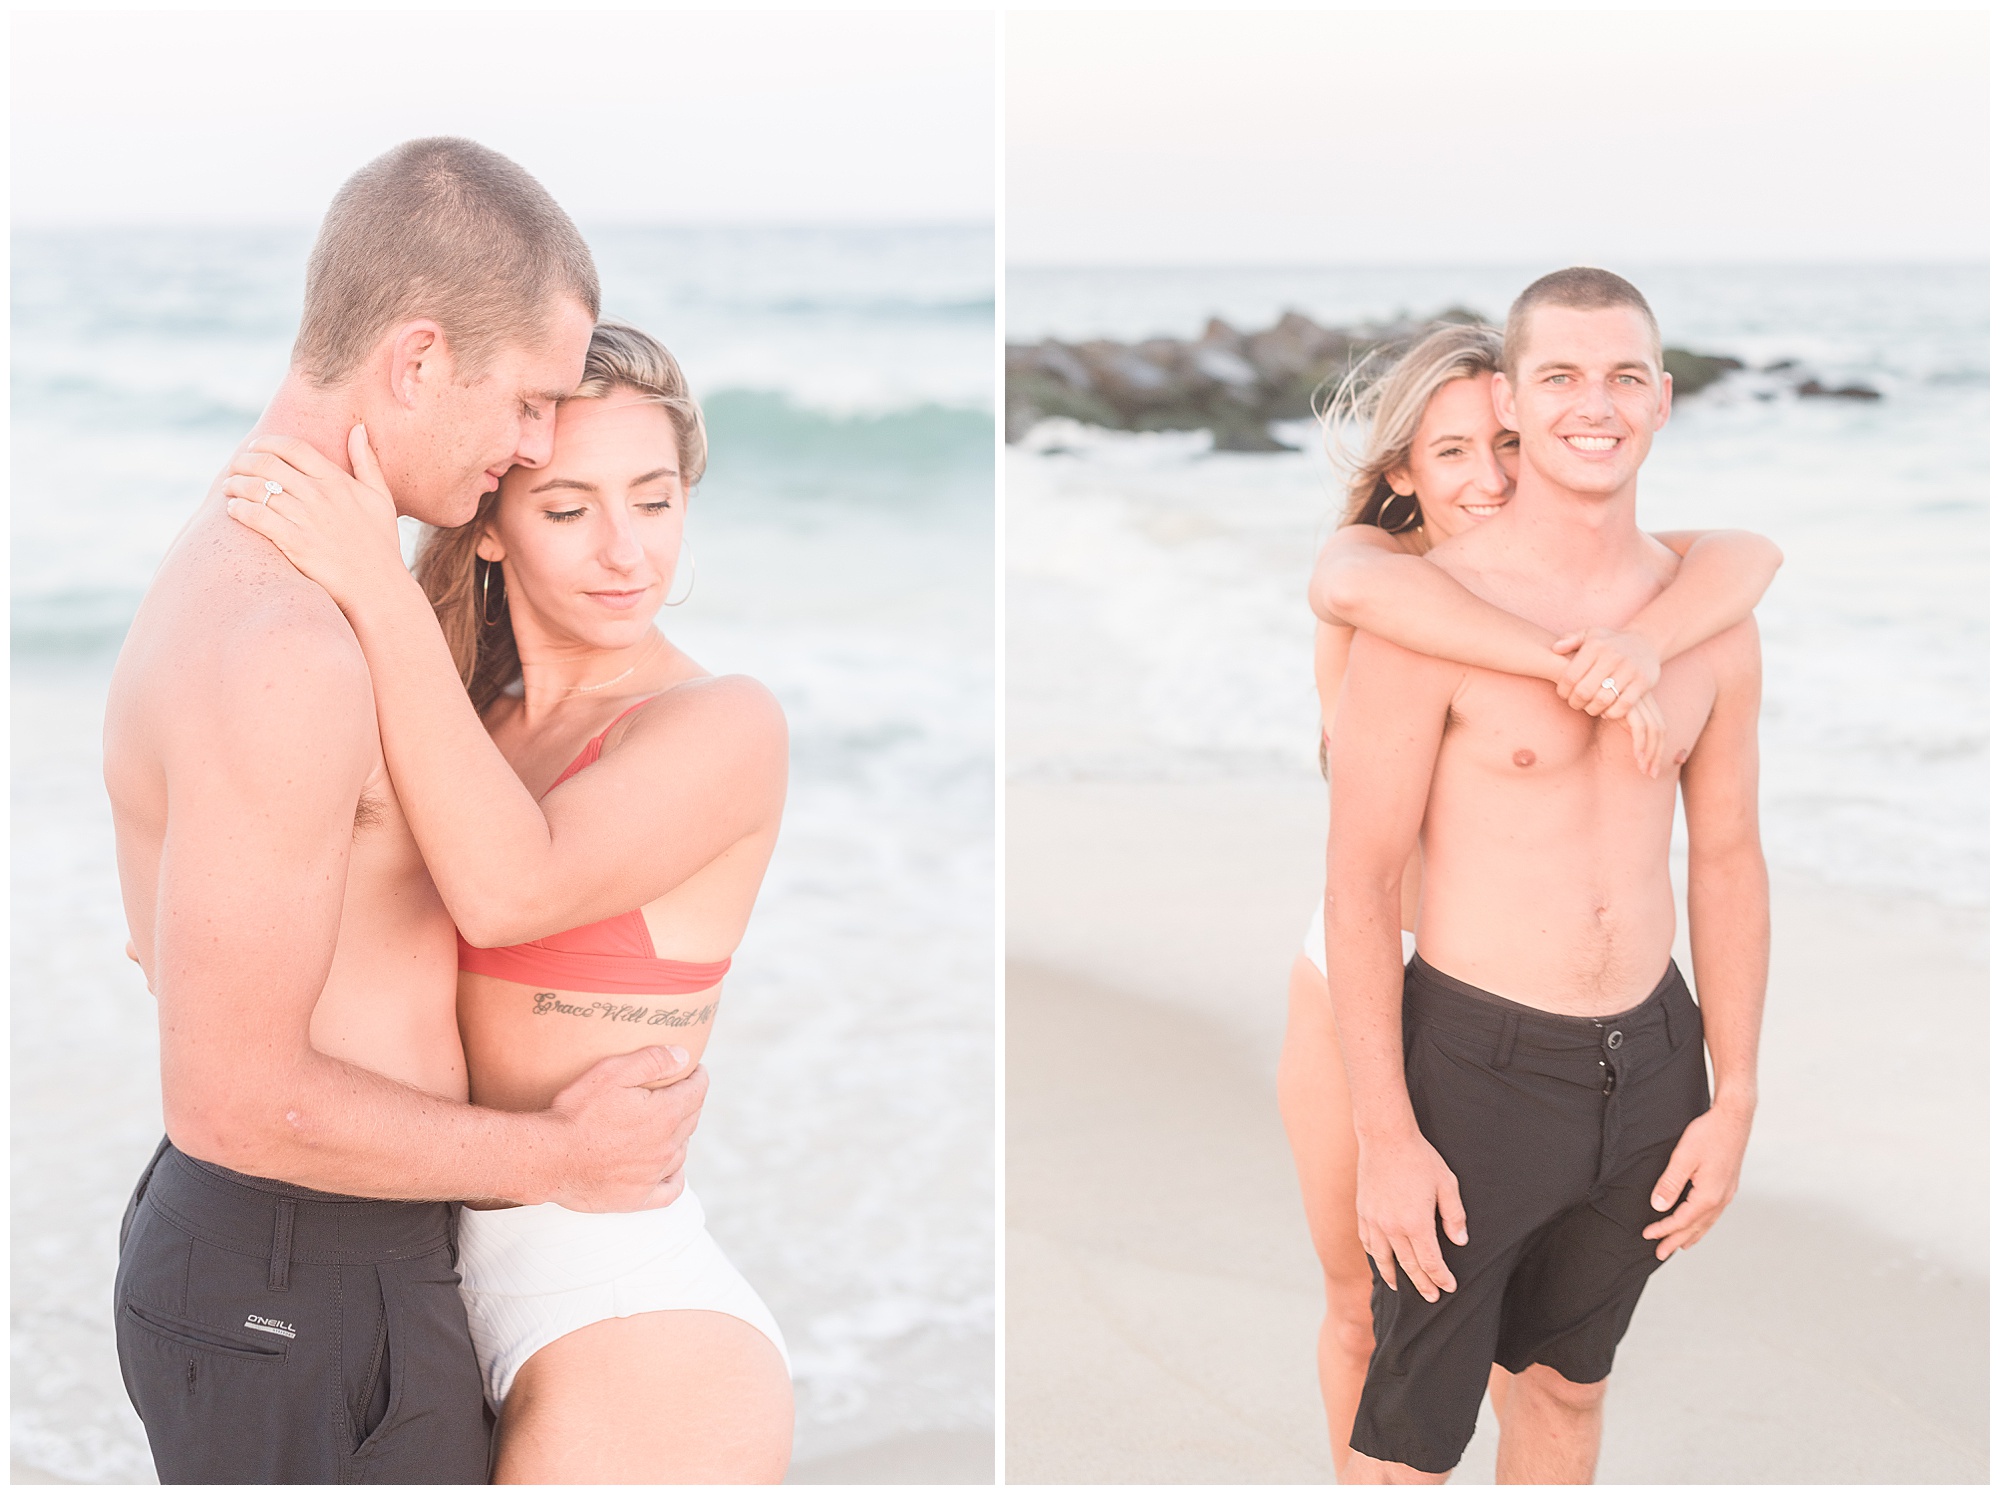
(646, 116)
(1590, 135)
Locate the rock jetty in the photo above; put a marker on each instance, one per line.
(1234, 384)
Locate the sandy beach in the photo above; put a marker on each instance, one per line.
(1162, 1293)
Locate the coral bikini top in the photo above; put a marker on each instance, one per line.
(613, 955)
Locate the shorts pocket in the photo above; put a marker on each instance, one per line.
(432, 1424)
(365, 1373)
(1439, 1064)
(1414, 1039)
(217, 1409)
(379, 1404)
(196, 1335)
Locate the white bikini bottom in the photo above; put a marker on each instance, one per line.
(1316, 940)
(532, 1274)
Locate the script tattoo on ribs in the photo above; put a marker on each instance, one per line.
(547, 1002)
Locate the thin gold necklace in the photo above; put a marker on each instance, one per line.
(584, 690)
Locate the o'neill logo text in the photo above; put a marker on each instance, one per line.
(270, 1326)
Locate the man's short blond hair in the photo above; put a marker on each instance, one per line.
(445, 229)
(1580, 288)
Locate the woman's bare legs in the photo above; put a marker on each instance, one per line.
(681, 1397)
(1497, 1381)
(1319, 1119)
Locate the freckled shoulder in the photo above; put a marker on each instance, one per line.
(283, 660)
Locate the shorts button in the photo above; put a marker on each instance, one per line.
(1613, 1039)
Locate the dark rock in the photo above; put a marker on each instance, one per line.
(1225, 367)
(1693, 372)
(1246, 433)
(1813, 389)
(1230, 383)
(1220, 334)
(1065, 365)
(1049, 379)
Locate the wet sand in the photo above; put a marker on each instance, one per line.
(960, 1457)
(1163, 1297)
(946, 1457)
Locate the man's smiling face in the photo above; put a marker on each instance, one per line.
(1587, 394)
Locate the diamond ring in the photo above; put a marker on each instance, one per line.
(271, 491)
(1609, 684)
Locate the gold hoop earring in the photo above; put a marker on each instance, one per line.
(1396, 522)
(486, 594)
(687, 554)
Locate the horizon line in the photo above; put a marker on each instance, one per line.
(585, 219)
(1771, 262)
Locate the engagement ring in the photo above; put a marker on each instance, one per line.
(272, 490)
(1610, 685)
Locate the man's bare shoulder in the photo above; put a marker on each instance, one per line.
(1403, 671)
(231, 633)
(232, 589)
(1465, 555)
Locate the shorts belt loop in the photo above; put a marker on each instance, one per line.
(281, 1247)
(132, 1208)
(1510, 1025)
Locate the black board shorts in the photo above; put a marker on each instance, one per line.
(1557, 1129)
(271, 1334)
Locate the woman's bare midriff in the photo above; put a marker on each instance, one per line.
(524, 1044)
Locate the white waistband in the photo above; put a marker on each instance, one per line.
(561, 1248)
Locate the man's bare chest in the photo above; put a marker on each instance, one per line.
(1516, 730)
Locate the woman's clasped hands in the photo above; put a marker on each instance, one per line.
(1611, 673)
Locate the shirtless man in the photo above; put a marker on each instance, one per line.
(283, 1315)
(1533, 1081)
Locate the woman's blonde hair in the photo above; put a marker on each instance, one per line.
(468, 594)
(1390, 408)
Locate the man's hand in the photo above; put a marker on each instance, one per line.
(632, 1115)
(1710, 1156)
(1403, 1188)
(1600, 654)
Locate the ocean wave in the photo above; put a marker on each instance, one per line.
(166, 281)
(72, 623)
(98, 402)
(764, 428)
(884, 308)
